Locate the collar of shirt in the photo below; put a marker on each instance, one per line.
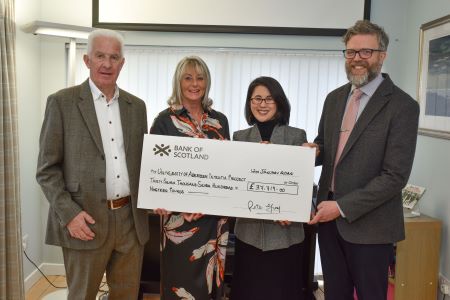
(97, 94)
(179, 109)
(370, 88)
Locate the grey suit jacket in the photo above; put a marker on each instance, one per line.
(264, 234)
(71, 164)
(375, 164)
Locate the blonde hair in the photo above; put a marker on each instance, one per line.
(201, 67)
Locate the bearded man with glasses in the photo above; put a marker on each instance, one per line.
(366, 142)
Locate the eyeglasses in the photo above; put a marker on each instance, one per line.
(363, 53)
(259, 100)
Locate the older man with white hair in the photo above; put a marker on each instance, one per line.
(88, 168)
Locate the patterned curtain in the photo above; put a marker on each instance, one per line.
(11, 270)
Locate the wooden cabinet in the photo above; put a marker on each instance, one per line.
(417, 260)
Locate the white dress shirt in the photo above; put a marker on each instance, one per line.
(108, 116)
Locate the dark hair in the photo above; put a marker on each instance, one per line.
(277, 93)
(367, 27)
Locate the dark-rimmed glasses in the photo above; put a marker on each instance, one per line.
(259, 100)
(363, 53)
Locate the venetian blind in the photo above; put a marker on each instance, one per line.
(306, 76)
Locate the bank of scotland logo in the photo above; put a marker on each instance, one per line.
(161, 150)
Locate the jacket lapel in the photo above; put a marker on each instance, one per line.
(254, 135)
(87, 109)
(125, 107)
(278, 135)
(378, 100)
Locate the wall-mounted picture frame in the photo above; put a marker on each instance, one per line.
(433, 89)
(283, 17)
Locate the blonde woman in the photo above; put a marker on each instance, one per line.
(192, 245)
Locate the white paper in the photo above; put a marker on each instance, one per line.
(240, 179)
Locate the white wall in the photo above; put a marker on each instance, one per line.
(392, 16)
(28, 64)
(53, 78)
(67, 12)
(401, 19)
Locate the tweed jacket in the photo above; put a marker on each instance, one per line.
(375, 164)
(267, 234)
(71, 164)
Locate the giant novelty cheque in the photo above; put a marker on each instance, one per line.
(225, 178)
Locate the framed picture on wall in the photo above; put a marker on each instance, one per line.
(434, 78)
(284, 17)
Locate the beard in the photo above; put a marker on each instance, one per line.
(360, 80)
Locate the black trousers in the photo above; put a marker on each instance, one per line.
(267, 275)
(347, 266)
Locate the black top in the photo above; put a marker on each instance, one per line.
(266, 129)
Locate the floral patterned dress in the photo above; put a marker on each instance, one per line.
(192, 253)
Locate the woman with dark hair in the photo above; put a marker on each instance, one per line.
(268, 254)
(192, 245)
